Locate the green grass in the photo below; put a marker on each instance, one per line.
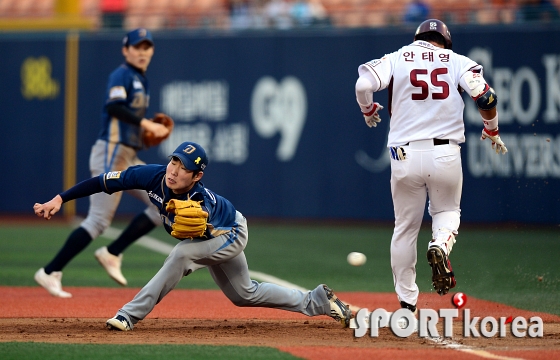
(23, 250)
(43, 351)
(500, 265)
(505, 266)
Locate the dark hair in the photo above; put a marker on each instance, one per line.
(175, 158)
(431, 36)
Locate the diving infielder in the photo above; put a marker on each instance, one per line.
(211, 233)
(123, 120)
(425, 80)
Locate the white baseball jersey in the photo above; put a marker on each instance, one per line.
(424, 98)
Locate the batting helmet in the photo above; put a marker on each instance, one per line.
(435, 25)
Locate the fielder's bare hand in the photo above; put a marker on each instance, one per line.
(497, 143)
(48, 209)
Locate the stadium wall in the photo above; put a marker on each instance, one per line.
(277, 114)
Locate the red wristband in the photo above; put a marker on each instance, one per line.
(491, 132)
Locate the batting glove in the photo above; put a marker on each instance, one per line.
(372, 117)
(497, 143)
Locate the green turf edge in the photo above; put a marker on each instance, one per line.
(48, 351)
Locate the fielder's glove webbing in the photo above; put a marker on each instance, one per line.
(190, 219)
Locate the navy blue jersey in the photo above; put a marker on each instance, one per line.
(151, 178)
(126, 86)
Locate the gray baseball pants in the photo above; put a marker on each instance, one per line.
(225, 259)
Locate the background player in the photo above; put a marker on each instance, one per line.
(219, 246)
(426, 129)
(123, 121)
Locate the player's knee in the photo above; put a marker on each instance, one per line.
(153, 214)
(244, 297)
(180, 256)
(95, 227)
(239, 299)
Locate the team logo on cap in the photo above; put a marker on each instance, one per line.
(142, 32)
(189, 149)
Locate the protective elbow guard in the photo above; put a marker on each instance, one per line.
(487, 100)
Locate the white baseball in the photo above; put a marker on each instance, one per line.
(356, 259)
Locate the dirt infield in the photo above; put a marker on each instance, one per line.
(207, 317)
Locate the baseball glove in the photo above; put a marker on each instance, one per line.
(190, 219)
(149, 137)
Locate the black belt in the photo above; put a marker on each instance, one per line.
(436, 142)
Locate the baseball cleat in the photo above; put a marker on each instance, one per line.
(111, 263)
(52, 283)
(119, 322)
(443, 277)
(339, 311)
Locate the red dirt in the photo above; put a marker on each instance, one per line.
(207, 317)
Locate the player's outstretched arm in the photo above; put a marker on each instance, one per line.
(82, 189)
(48, 209)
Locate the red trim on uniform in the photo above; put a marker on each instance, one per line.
(476, 69)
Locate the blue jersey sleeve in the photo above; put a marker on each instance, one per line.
(143, 177)
(118, 86)
(84, 188)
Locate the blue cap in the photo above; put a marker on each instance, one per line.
(192, 156)
(135, 37)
